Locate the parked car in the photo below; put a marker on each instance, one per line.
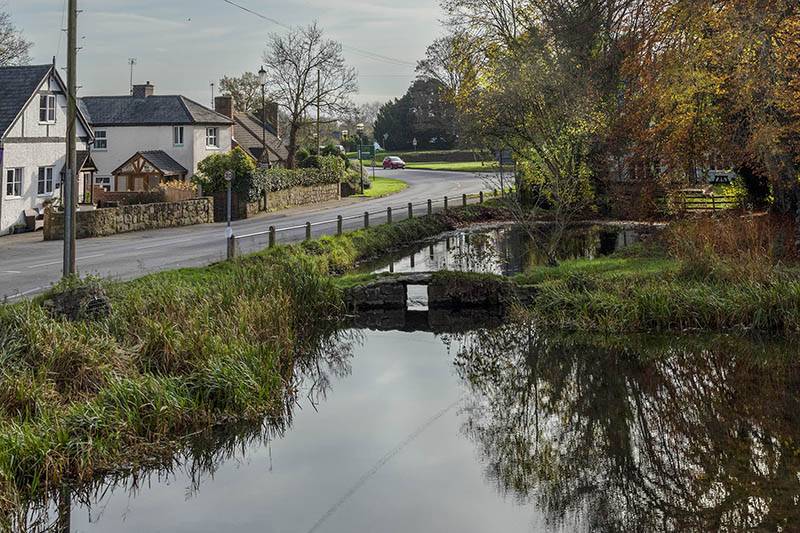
(393, 163)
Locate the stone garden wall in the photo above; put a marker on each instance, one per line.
(111, 221)
(303, 195)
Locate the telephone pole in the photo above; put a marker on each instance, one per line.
(319, 104)
(70, 172)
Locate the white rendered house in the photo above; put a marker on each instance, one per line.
(33, 131)
(186, 131)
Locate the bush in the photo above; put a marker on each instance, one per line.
(211, 174)
(331, 170)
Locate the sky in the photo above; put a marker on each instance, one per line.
(181, 46)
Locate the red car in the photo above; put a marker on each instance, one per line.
(394, 163)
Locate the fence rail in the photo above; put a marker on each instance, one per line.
(387, 215)
(691, 201)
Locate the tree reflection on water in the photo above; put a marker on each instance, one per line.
(637, 433)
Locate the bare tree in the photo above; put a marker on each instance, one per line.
(293, 62)
(14, 49)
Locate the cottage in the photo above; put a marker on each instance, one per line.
(33, 132)
(126, 127)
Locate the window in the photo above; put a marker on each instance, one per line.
(47, 109)
(103, 181)
(45, 184)
(212, 137)
(101, 140)
(14, 182)
(177, 135)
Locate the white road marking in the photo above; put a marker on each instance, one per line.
(10, 272)
(160, 244)
(21, 294)
(53, 263)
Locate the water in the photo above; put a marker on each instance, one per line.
(492, 425)
(504, 250)
(503, 429)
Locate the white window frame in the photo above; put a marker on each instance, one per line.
(13, 189)
(103, 181)
(45, 176)
(212, 138)
(178, 136)
(47, 107)
(98, 137)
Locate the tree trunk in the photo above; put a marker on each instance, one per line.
(292, 148)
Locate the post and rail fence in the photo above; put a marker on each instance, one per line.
(388, 215)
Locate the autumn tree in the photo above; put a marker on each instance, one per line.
(14, 49)
(294, 63)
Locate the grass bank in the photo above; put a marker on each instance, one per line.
(724, 273)
(382, 187)
(180, 352)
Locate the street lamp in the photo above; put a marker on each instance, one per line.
(360, 132)
(262, 78)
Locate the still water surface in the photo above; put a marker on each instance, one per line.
(501, 429)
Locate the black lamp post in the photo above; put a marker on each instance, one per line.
(262, 77)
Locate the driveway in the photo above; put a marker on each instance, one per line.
(29, 265)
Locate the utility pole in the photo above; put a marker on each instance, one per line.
(319, 104)
(213, 103)
(70, 171)
(132, 63)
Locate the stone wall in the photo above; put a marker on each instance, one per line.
(302, 196)
(104, 222)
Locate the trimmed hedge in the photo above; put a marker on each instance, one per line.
(332, 170)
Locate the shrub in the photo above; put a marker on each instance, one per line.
(331, 170)
(211, 174)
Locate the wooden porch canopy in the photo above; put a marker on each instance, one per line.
(145, 170)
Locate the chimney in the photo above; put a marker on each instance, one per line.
(224, 105)
(143, 91)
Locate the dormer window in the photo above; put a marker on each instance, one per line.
(47, 109)
(212, 137)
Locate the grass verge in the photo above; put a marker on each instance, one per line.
(468, 166)
(382, 187)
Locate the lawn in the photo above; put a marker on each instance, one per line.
(384, 187)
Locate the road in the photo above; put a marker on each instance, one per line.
(28, 265)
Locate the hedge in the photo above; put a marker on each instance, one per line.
(277, 179)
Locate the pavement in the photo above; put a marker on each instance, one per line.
(29, 265)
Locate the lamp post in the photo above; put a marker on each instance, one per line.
(385, 138)
(229, 229)
(262, 78)
(360, 132)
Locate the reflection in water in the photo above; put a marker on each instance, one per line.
(310, 380)
(637, 435)
(504, 250)
(580, 433)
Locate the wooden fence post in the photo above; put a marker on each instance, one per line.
(272, 236)
(410, 210)
(366, 219)
(308, 231)
(231, 247)
(464, 200)
(339, 225)
(388, 215)
(430, 207)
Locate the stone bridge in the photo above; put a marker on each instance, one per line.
(446, 290)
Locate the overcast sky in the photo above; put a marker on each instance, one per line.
(181, 46)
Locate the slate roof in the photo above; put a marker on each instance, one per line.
(159, 159)
(155, 110)
(248, 133)
(17, 85)
(85, 161)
